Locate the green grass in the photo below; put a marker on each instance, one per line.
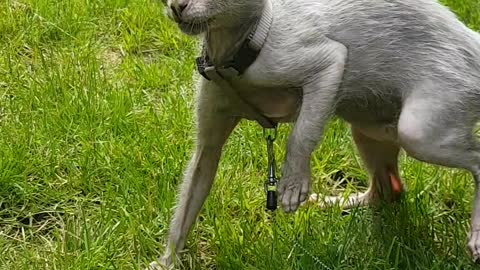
(96, 128)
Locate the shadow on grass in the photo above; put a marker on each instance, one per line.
(402, 235)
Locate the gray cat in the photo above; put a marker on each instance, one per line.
(404, 73)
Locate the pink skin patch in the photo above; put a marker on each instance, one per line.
(396, 185)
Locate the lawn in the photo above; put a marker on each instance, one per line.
(96, 127)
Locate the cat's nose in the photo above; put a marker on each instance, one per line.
(178, 7)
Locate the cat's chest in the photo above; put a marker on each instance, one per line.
(277, 103)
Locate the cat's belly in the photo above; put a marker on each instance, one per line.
(385, 133)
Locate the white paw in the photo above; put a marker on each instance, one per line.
(324, 201)
(160, 264)
(292, 192)
(474, 245)
(313, 198)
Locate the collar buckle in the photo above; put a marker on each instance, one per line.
(202, 65)
(227, 72)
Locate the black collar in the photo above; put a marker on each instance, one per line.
(248, 52)
(244, 57)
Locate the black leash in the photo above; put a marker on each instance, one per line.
(270, 134)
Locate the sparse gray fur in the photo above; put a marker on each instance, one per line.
(404, 73)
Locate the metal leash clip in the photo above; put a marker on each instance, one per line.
(270, 135)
